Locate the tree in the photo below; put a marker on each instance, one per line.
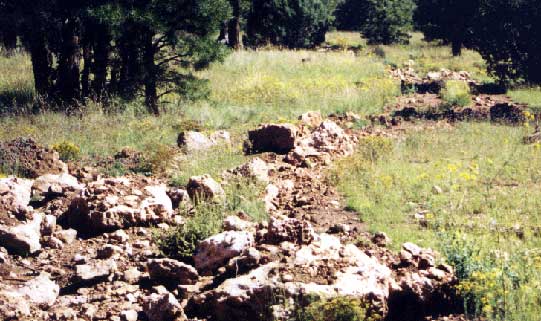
(349, 15)
(449, 20)
(294, 23)
(91, 49)
(387, 21)
(506, 33)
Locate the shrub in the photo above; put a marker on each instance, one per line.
(456, 93)
(68, 151)
(339, 309)
(373, 148)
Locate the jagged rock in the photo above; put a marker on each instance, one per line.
(271, 193)
(192, 141)
(170, 270)
(119, 236)
(51, 185)
(132, 275)
(215, 251)
(178, 197)
(162, 307)
(205, 187)
(256, 169)
(15, 194)
(29, 159)
(15, 301)
(115, 203)
(277, 138)
(311, 118)
(381, 239)
(48, 225)
(108, 251)
(290, 230)
(68, 236)
(22, 238)
(129, 315)
(95, 270)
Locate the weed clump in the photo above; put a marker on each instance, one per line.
(67, 150)
(373, 148)
(456, 93)
(338, 309)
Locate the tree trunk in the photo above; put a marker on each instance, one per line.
(68, 82)
(130, 44)
(235, 40)
(151, 94)
(224, 32)
(85, 75)
(457, 46)
(101, 60)
(8, 36)
(41, 62)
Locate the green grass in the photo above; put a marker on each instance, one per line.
(456, 93)
(479, 191)
(531, 96)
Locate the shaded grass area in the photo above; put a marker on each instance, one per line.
(474, 194)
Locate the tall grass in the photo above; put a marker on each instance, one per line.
(473, 193)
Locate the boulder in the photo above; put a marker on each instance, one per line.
(205, 187)
(162, 307)
(289, 230)
(169, 270)
(235, 223)
(15, 194)
(116, 203)
(192, 141)
(256, 169)
(216, 251)
(51, 185)
(23, 238)
(277, 138)
(16, 301)
(311, 118)
(95, 270)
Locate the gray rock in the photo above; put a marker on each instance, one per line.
(215, 251)
(162, 307)
(23, 238)
(170, 270)
(95, 270)
(277, 138)
(205, 187)
(51, 185)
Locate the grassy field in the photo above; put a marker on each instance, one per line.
(473, 193)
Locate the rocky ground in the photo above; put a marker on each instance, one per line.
(78, 246)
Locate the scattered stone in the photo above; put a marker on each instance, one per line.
(23, 238)
(15, 194)
(67, 236)
(178, 197)
(289, 230)
(311, 118)
(51, 185)
(29, 159)
(436, 190)
(256, 169)
(235, 223)
(129, 315)
(119, 236)
(40, 291)
(132, 275)
(109, 251)
(170, 270)
(162, 307)
(192, 141)
(381, 239)
(215, 251)
(205, 187)
(95, 270)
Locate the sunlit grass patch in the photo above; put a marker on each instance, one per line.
(474, 194)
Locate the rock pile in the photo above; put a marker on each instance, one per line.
(30, 160)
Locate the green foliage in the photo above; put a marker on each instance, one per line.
(243, 195)
(293, 24)
(456, 93)
(506, 36)
(387, 21)
(338, 309)
(374, 148)
(67, 150)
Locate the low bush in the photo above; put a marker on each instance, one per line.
(338, 309)
(456, 93)
(67, 150)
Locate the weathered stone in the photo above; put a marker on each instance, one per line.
(194, 141)
(15, 194)
(162, 307)
(235, 223)
(95, 270)
(29, 159)
(22, 238)
(218, 249)
(169, 270)
(205, 187)
(256, 169)
(311, 118)
(51, 185)
(68, 236)
(290, 230)
(277, 138)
